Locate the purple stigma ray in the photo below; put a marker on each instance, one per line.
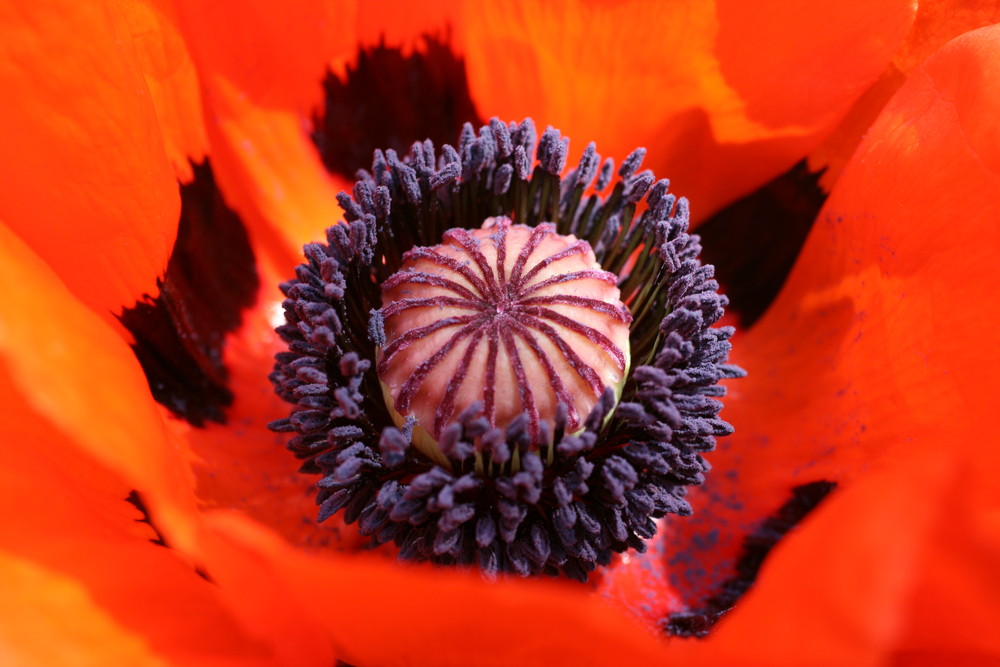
(427, 279)
(413, 335)
(592, 334)
(438, 301)
(620, 314)
(447, 407)
(500, 239)
(593, 274)
(529, 247)
(411, 386)
(471, 247)
(578, 248)
(448, 263)
(523, 386)
(489, 393)
(585, 371)
(573, 418)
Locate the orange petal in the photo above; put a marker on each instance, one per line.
(726, 96)
(87, 183)
(937, 22)
(105, 588)
(271, 174)
(79, 375)
(172, 81)
(869, 344)
(382, 613)
(876, 349)
(900, 565)
(275, 55)
(958, 573)
(261, 69)
(263, 602)
(39, 604)
(84, 433)
(849, 587)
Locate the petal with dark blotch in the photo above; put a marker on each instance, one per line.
(241, 465)
(726, 96)
(876, 353)
(897, 569)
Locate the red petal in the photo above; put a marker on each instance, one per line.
(86, 182)
(726, 97)
(880, 335)
(403, 23)
(381, 613)
(937, 22)
(83, 432)
(106, 588)
(100, 591)
(275, 55)
(859, 575)
(873, 355)
(953, 607)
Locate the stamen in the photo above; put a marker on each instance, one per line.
(479, 451)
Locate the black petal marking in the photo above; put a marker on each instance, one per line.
(210, 279)
(754, 242)
(699, 621)
(134, 498)
(498, 500)
(136, 501)
(388, 98)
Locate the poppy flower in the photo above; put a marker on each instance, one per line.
(133, 536)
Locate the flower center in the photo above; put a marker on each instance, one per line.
(506, 319)
(478, 395)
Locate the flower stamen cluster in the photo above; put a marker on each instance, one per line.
(598, 489)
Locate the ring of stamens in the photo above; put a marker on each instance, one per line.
(600, 488)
